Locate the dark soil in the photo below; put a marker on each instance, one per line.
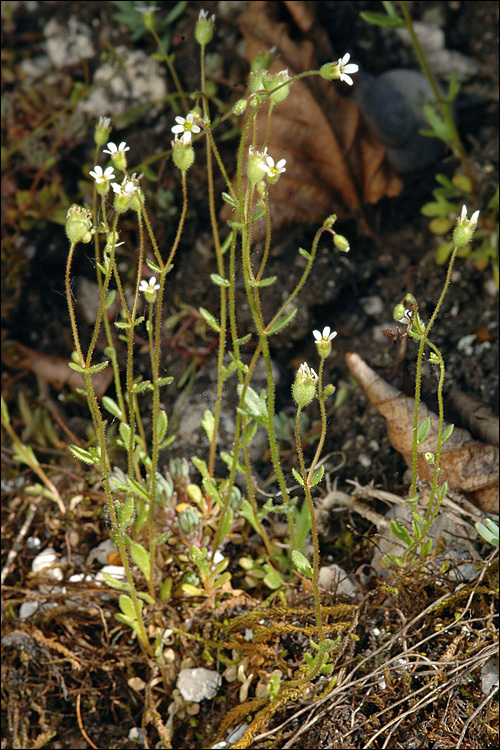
(44, 696)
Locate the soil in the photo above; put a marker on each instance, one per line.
(44, 695)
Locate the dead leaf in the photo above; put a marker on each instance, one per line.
(475, 415)
(468, 465)
(54, 370)
(335, 162)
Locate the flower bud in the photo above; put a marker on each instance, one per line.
(304, 386)
(399, 313)
(182, 154)
(255, 168)
(341, 243)
(465, 228)
(261, 61)
(78, 224)
(272, 80)
(204, 29)
(102, 131)
(239, 107)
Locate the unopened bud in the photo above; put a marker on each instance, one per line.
(78, 224)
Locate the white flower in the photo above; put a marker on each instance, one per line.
(114, 150)
(324, 337)
(345, 68)
(186, 126)
(468, 222)
(146, 9)
(102, 177)
(203, 15)
(307, 373)
(149, 286)
(104, 123)
(272, 169)
(126, 188)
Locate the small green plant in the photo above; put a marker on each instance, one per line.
(150, 512)
(417, 541)
(488, 531)
(483, 248)
(451, 194)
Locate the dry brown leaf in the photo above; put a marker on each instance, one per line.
(335, 163)
(54, 370)
(475, 415)
(468, 465)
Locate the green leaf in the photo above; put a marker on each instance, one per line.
(137, 488)
(163, 381)
(115, 583)
(142, 386)
(264, 282)
(201, 466)
(188, 588)
(127, 512)
(229, 200)
(127, 606)
(254, 405)
(124, 430)
(111, 406)
(122, 326)
(244, 339)
(318, 475)
(401, 533)
(218, 280)
(110, 298)
(388, 22)
(133, 624)
(279, 324)
(302, 563)
(5, 412)
(249, 434)
(297, 476)
(210, 487)
(76, 367)
(447, 432)
(305, 253)
(209, 318)
(83, 455)
(227, 457)
(423, 430)
(442, 491)
(141, 558)
(208, 423)
(246, 511)
(161, 425)
(227, 524)
(153, 266)
(97, 368)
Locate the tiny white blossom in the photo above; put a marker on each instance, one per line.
(146, 9)
(102, 177)
(345, 68)
(307, 372)
(468, 222)
(324, 337)
(149, 286)
(104, 122)
(126, 188)
(272, 169)
(186, 126)
(203, 15)
(113, 149)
